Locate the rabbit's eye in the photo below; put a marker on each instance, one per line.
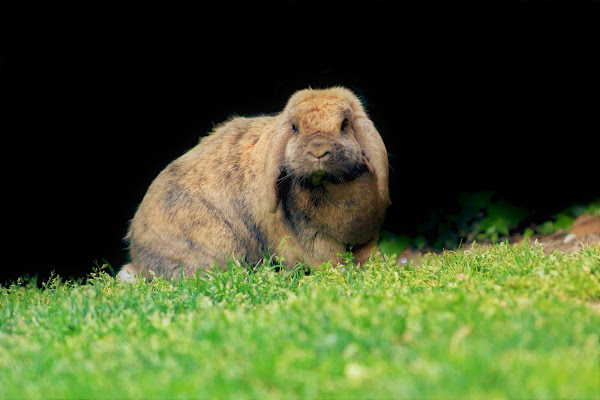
(294, 128)
(344, 124)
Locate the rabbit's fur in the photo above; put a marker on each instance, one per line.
(315, 174)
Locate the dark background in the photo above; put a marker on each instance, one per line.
(468, 96)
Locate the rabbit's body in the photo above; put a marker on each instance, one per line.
(255, 181)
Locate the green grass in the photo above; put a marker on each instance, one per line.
(498, 322)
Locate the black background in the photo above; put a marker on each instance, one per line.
(96, 100)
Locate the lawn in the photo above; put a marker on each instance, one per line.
(491, 322)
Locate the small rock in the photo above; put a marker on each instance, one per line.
(584, 225)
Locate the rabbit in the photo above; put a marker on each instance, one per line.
(314, 176)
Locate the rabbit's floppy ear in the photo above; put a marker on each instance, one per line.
(274, 166)
(375, 153)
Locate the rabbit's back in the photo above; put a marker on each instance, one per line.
(196, 212)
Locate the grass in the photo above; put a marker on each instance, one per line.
(494, 322)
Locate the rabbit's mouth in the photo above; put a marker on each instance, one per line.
(336, 176)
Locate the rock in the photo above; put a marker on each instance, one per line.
(584, 225)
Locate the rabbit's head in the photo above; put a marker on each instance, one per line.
(325, 135)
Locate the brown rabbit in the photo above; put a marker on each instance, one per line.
(315, 174)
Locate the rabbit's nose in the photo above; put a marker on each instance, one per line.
(319, 150)
(321, 155)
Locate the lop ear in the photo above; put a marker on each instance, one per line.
(274, 166)
(375, 153)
